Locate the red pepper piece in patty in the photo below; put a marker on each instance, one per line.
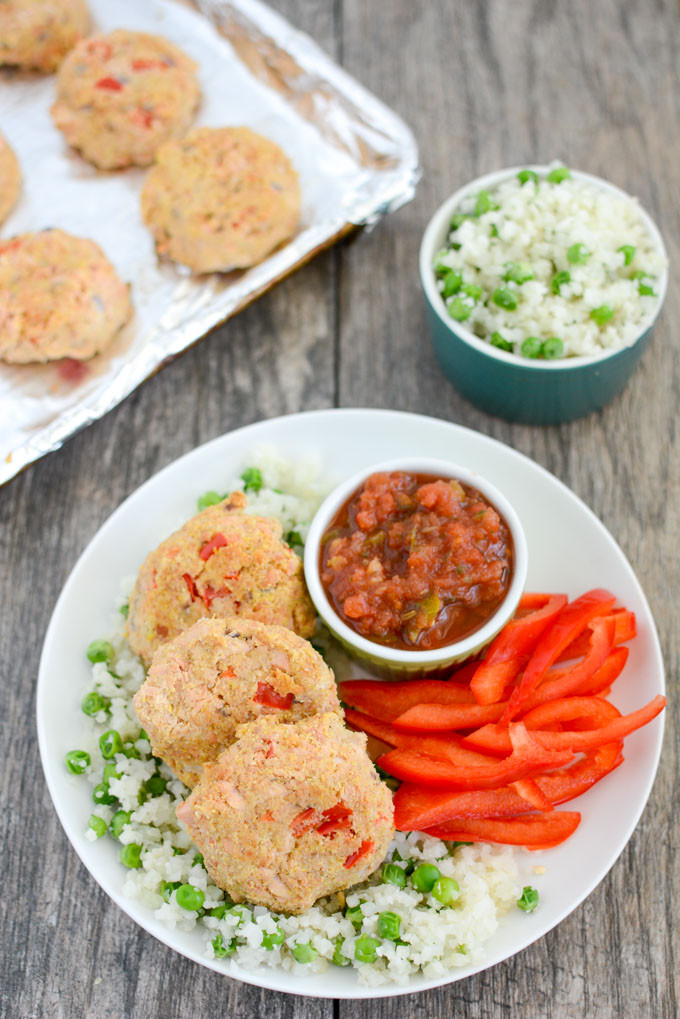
(189, 581)
(217, 541)
(303, 822)
(338, 818)
(271, 698)
(109, 85)
(363, 850)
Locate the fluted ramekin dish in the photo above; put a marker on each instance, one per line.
(397, 663)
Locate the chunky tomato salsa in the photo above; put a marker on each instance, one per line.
(415, 561)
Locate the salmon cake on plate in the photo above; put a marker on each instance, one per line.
(59, 297)
(35, 35)
(10, 179)
(220, 199)
(121, 96)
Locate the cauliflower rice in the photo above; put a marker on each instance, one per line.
(550, 259)
(433, 939)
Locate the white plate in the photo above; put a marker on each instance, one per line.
(569, 550)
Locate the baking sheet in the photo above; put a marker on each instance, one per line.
(356, 159)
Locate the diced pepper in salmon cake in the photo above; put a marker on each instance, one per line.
(290, 813)
(223, 562)
(221, 673)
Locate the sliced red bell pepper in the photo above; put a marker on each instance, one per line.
(447, 747)
(527, 758)
(595, 711)
(625, 630)
(440, 717)
(571, 621)
(530, 791)
(536, 830)
(387, 701)
(492, 739)
(601, 642)
(505, 655)
(562, 684)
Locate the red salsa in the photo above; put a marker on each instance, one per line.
(415, 561)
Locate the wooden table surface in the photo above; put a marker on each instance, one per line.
(484, 85)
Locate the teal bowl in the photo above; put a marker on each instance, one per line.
(518, 389)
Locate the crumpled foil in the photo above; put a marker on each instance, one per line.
(356, 159)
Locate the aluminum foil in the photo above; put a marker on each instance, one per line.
(356, 159)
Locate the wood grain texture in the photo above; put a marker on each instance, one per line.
(484, 84)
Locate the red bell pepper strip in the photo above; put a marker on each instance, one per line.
(527, 758)
(440, 717)
(492, 739)
(625, 630)
(446, 747)
(536, 830)
(569, 681)
(530, 791)
(571, 621)
(271, 698)
(595, 711)
(503, 660)
(601, 642)
(387, 701)
(532, 600)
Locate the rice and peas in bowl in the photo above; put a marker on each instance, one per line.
(428, 909)
(546, 264)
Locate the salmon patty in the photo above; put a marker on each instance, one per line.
(223, 562)
(36, 34)
(10, 179)
(59, 297)
(123, 95)
(220, 199)
(290, 813)
(221, 673)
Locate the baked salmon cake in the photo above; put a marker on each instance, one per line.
(223, 562)
(221, 673)
(59, 297)
(220, 199)
(10, 179)
(120, 96)
(290, 813)
(37, 34)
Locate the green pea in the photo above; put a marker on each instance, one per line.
(499, 341)
(529, 899)
(453, 281)
(440, 267)
(338, 959)
(143, 735)
(100, 651)
(294, 538)
(559, 279)
(189, 897)
(167, 888)
(131, 856)
(220, 949)
(270, 941)
(221, 910)
(304, 953)
(445, 890)
(484, 203)
(559, 174)
(389, 926)
(119, 821)
(578, 254)
(92, 703)
(628, 252)
(532, 347)
(209, 499)
(458, 219)
(552, 348)
(355, 915)
(392, 874)
(101, 794)
(242, 912)
(424, 877)
(603, 314)
(155, 785)
(365, 949)
(77, 761)
(252, 479)
(645, 290)
(110, 744)
(524, 176)
(459, 310)
(473, 291)
(519, 272)
(97, 824)
(109, 772)
(124, 610)
(198, 860)
(505, 298)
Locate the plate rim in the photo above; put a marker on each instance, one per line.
(141, 914)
